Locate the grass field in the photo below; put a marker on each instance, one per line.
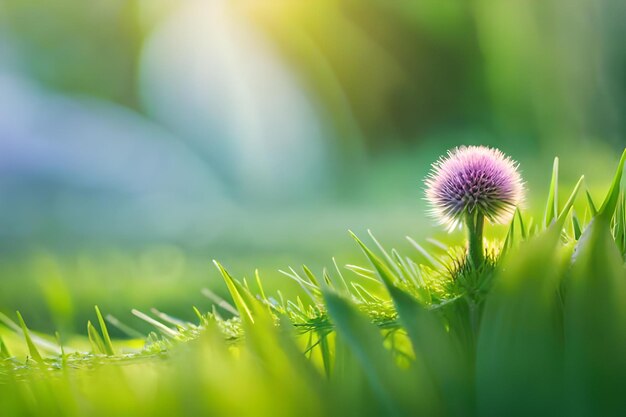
(538, 328)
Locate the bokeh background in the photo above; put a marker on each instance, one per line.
(139, 139)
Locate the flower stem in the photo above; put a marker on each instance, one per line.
(475, 223)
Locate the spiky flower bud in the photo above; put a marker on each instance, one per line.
(473, 181)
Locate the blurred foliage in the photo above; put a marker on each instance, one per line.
(76, 47)
(543, 72)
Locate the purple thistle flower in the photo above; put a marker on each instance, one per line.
(473, 180)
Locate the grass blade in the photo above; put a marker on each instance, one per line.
(594, 322)
(518, 346)
(592, 206)
(107, 344)
(576, 226)
(97, 344)
(4, 350)
(32, 348)
(610, 202)
(395, 390)
(219, 301)
(381, 268)
(160, 326)
(570, 202)
(521, 223)
(552, 202)
(236, 291)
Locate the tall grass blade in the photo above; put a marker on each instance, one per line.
(610, 202)
(236, 292)
(39, 341)
(570, 202)
(521, 223)
(325, 352)
(97, 344)
(439, 365)
(108, 345)
(390, 386)
(619, 226)
(590, 204)
(219, 301)
(32, 348)
(518, 346)
(157, 324)
(509, 240)
(4, 350)
(576, 226)
(437, 356)
(551, 211)
(384, 272)
(595, 323)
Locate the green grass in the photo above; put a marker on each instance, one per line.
(539, 329)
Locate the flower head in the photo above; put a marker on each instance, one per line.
(474, 179)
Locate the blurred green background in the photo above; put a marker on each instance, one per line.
(139, 139)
